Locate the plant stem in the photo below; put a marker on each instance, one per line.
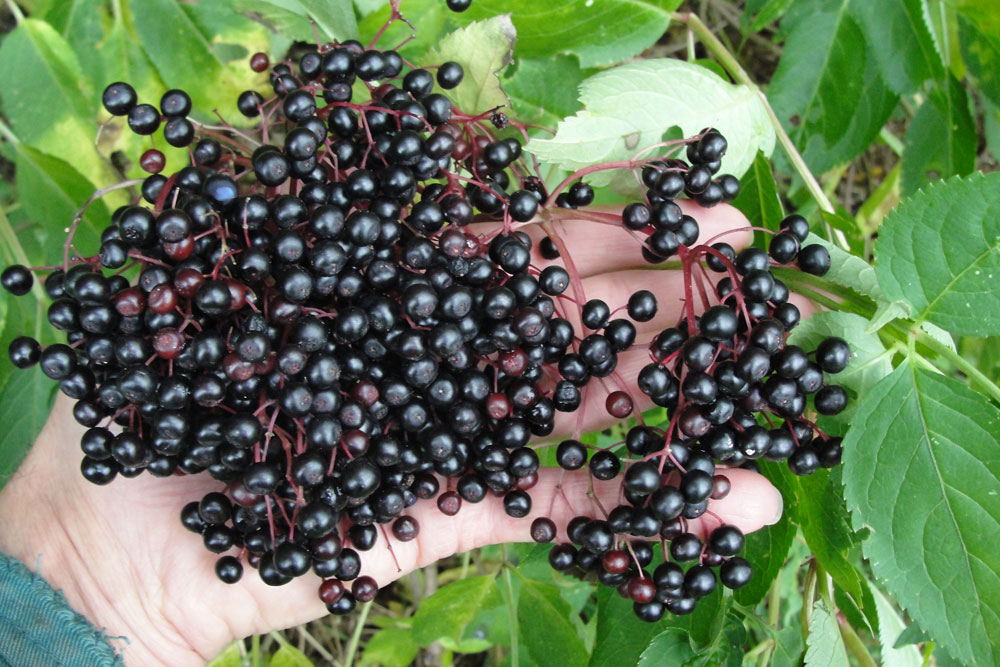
(854, 644)
(731, 65)
(352, 646)
(255, 651)
(511, 611)
(958, 360)
(15, 10)
(808, 598)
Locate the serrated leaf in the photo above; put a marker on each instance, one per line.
(449, 610)
(52, 192)
(599, 32)
(230, 657)
(850, 270)
(758, 199)
(25, 395)
(334, 20)
(900, 42)
(630, 107)
(334, 17)
(289, 656)
(939, 17)
(483, 48)
(981, 54)
(942, 139)
(533, 97)
(940, 252)
(912, 634)
(890, 627)
(920, 468)
(815, 503)
(164, 30)
(671, 646)
(767, 549)
(827, 92)
(49, 101)
(825, 646)
(543, 620)
(763, 13)
(80, 22)
(869, 360)
(390, 647)
(789, 648)
(621, 637)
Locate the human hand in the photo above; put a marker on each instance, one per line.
(124, 560)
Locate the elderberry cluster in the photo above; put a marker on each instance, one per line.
(304, 313)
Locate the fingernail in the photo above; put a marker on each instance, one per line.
(781, 509)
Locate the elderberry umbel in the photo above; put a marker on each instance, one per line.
(314, 324)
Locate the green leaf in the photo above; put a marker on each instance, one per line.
(670, 646)
(981, 53)
(599, 32)
(630, 107)
(942, 139)
(230, 657)
(81, 23)
(543, 619)
(533, 97)
(815, 503)
(850, 270)
(763, 13)
(940, 252)
(920, 470)
(621, 637)
(165, 30)
(449, 610)
(483, 48)
(48, 100)
(827, 92)
(825, 646)
(334, 20)
(767, 549)
(289, 656)
(758, 199)
(900, 42)
(52, 192)
(390, 647)
(991, 125)
(25, 395)
(788, 648)
(334, 17)
(912, 634)
(890, 627)
(869, 360)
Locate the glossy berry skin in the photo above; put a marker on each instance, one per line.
(17, 280)
(459, 5)
(833, 354)
(814, 259)
(228, 569)
(449, 75)
(119, 98)
(735, 573)
(24, 352)
(143, 119)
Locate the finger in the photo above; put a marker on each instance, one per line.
(603, 247)
(560, 495)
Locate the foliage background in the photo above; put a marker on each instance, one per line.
(873, 103)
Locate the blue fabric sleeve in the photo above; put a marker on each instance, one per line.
(38, 628)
